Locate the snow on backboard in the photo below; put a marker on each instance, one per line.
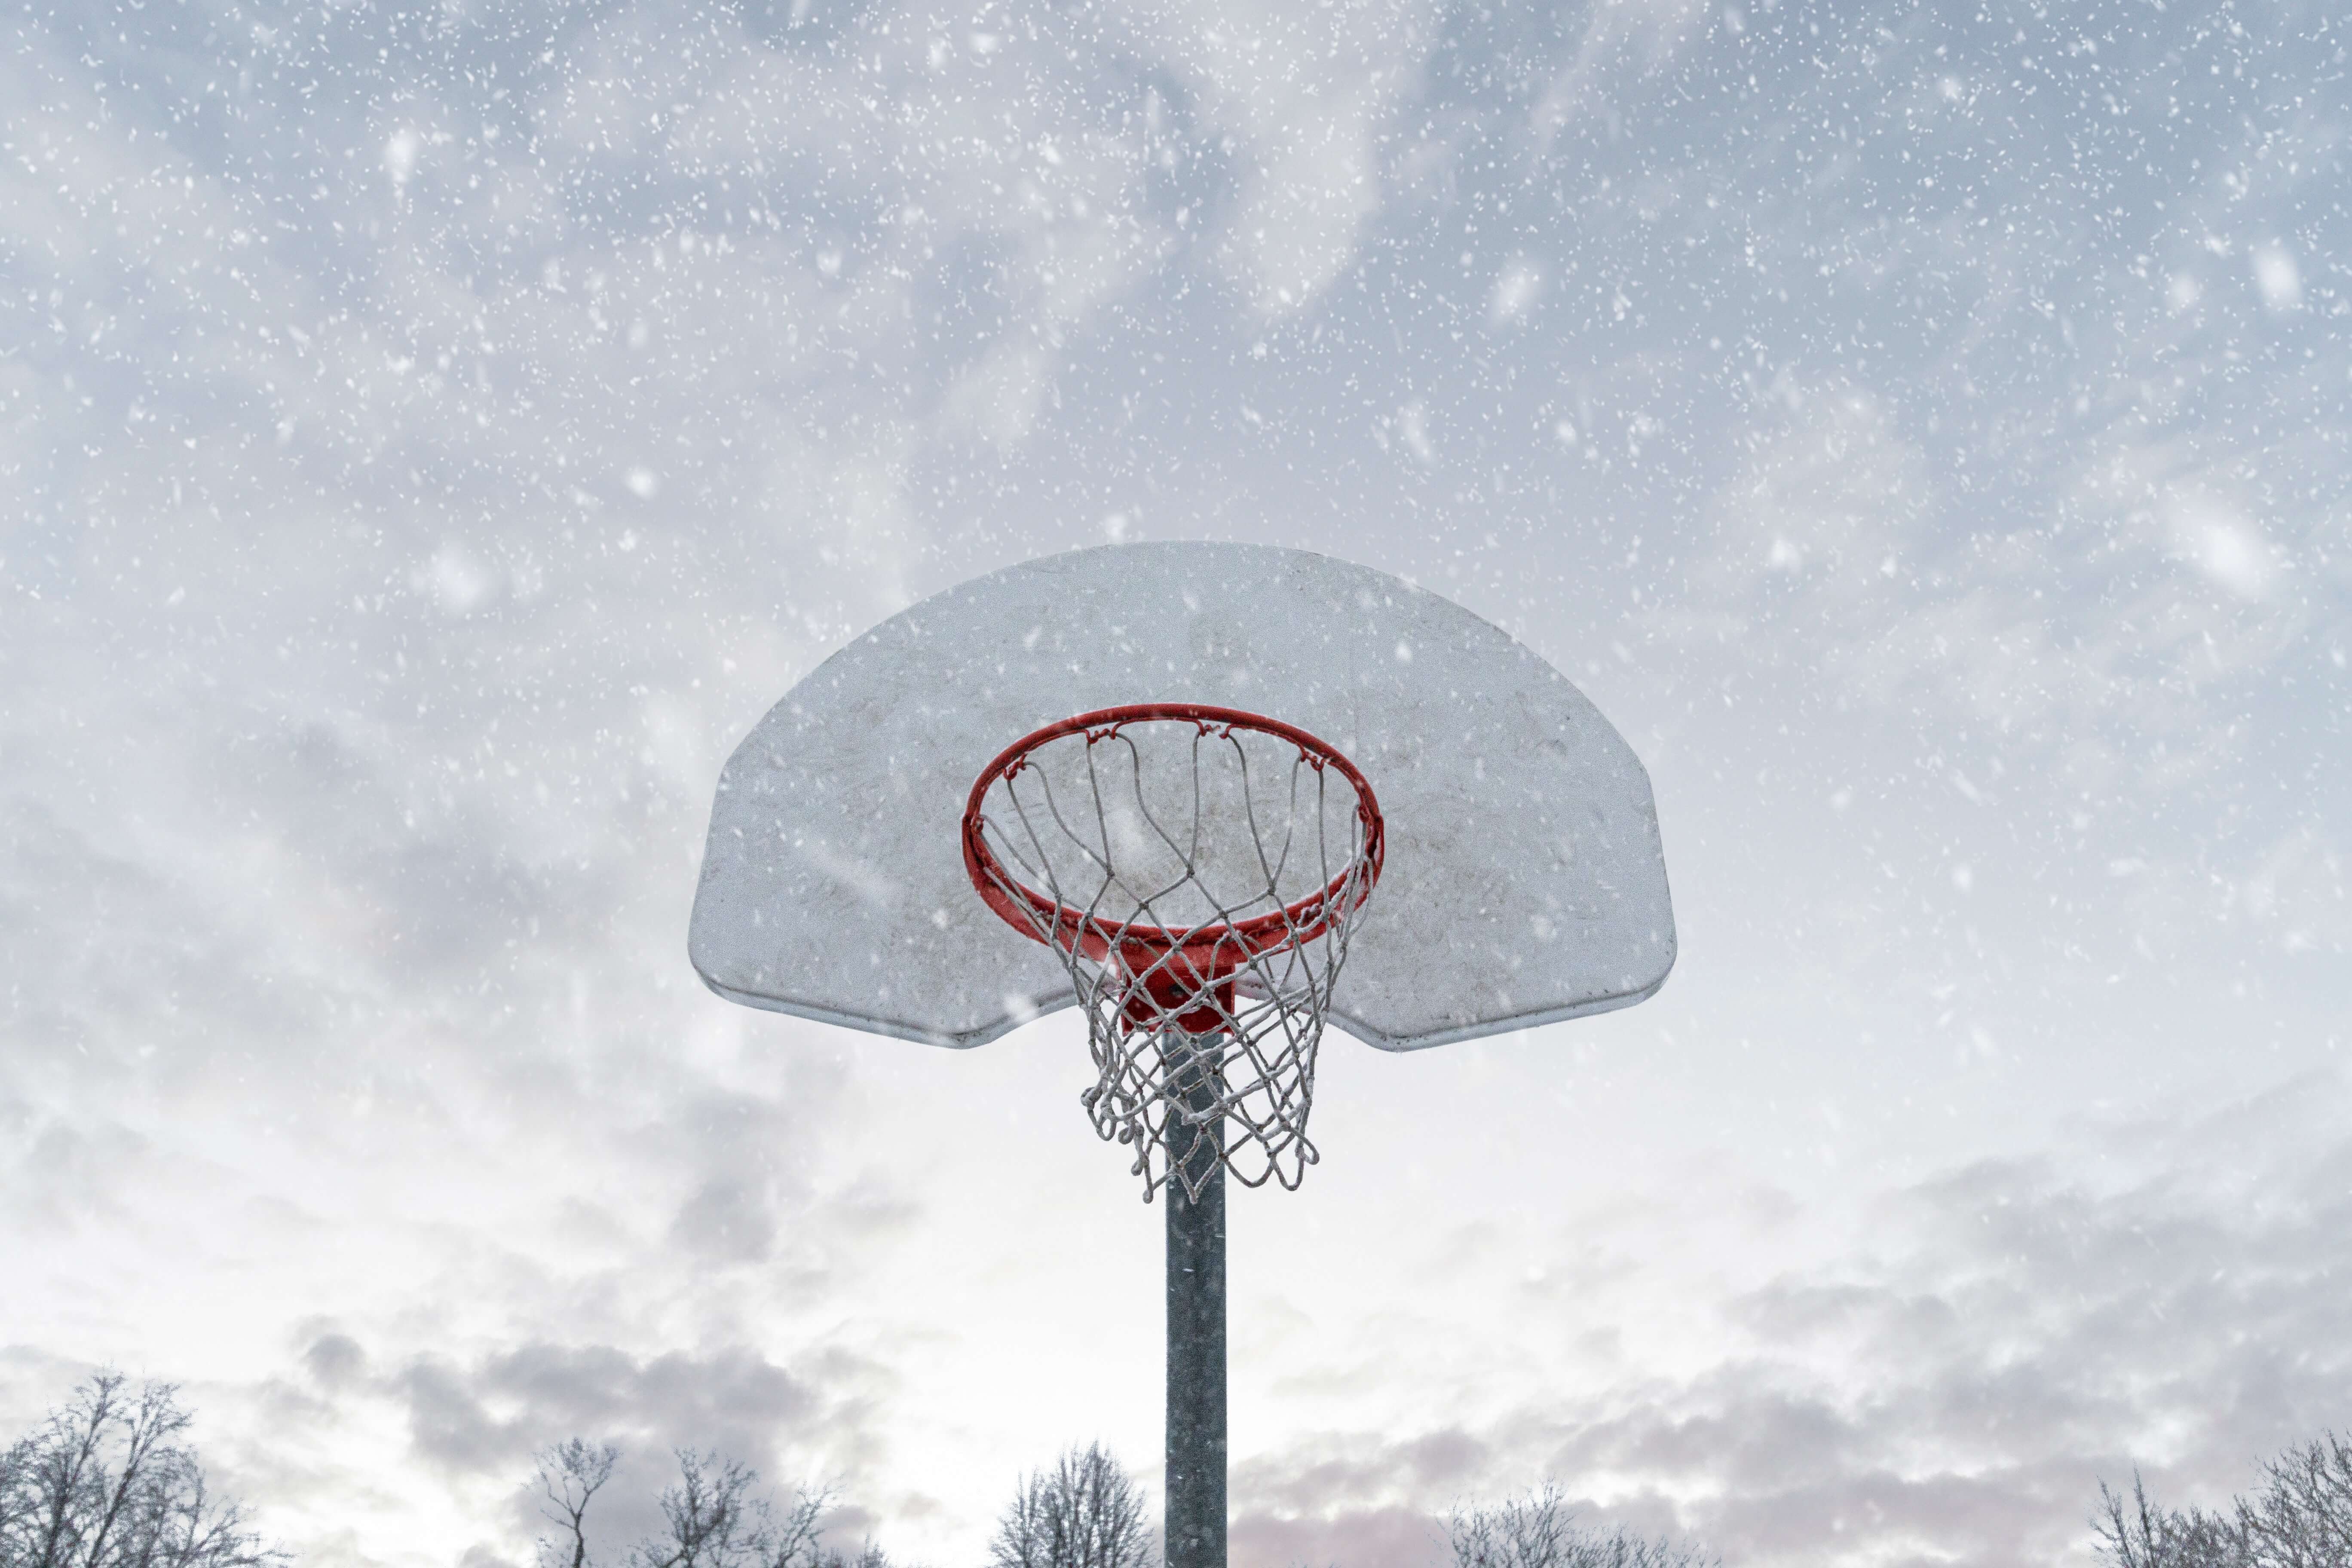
(1523, 884)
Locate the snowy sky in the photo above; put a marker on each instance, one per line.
(431, 435)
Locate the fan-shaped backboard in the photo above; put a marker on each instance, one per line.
(1523, 882)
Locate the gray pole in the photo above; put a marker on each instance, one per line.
(1196, 1339)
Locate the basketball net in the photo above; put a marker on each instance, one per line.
(1199, 870)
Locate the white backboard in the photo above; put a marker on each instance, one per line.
(1524, 883)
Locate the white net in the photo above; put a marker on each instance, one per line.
(1200, 870)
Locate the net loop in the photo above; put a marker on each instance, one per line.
(1200, 869)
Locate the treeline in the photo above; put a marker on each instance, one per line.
(1084, 1512)
(2299, 1517)
(106, 1480)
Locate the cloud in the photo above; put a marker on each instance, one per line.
(1298, 103)
(1625, 42)
(1832, 497)
(2297, 891)
(1517, 289)
(482, 1424)
(1954, 1390)
(494, 1413)
(1384, 1502)
(2280, 278)
(2221, 543)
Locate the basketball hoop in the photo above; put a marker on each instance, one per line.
(1199, 870)
(1195, 875)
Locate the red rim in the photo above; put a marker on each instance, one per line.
(1072, 927)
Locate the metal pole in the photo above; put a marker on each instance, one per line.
(1196, 1329)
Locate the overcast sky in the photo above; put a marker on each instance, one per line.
(430, 436)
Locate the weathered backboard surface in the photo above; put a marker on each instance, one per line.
(1524, 883)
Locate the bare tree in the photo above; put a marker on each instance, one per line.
(1085, 1513)
(105, 1482)
(2134, 1535)
(793, 1541)
(714, 1517)
(2300, 1518)
(571, 1474)
(1540, 1532)
(2303, 1516)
